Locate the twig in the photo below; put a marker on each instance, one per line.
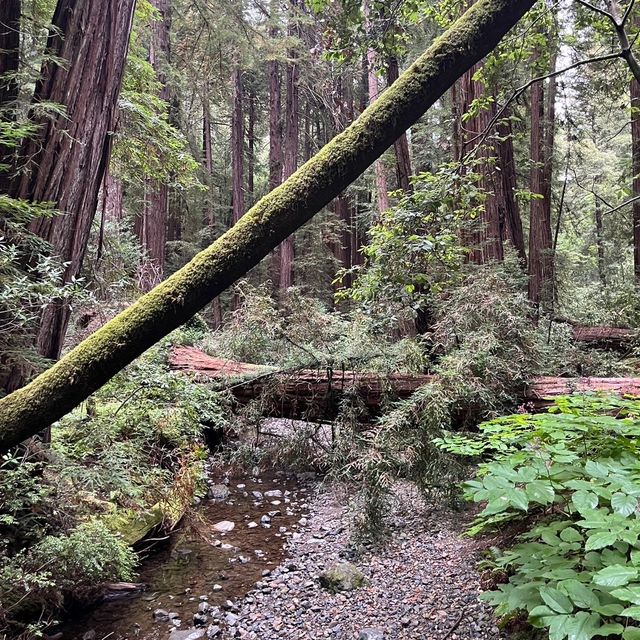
(454, 626)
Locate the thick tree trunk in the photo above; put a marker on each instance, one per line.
(112, 198)
(401, 146)
(540, 239)
(9, 65)
(237, 148)
(82, 371)
(251, 145)
(69, 155)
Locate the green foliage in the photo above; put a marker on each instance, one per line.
(572, 474)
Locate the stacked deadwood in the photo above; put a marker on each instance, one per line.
(614, 338)
(315, 394)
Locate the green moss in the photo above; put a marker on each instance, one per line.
(265, 226)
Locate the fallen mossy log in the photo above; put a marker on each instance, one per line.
(268, 223)
(315, 394)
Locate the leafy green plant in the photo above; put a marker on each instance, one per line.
(571, 478)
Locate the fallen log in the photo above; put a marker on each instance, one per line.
(614, 338)
(315, 394)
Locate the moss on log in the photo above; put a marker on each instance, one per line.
(98, 358)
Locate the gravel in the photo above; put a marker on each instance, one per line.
(421, 585)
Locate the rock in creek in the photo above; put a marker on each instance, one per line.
(342, 576)
(189, 634)
(274, 493)
(219, 492)
(224, 526)
(371, 634)
(161, 615)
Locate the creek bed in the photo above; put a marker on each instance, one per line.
(201, 564)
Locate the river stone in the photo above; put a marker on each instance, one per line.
(342, 576)
(274, 493)
(219, 492)
(188, 634)
(213, 631)
(161, 615)
(200, 619)
(371, 634)
(224, 526)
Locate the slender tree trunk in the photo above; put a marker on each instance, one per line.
(401, 146)
(237, 148)
(153, 226)
(291, 144)
(251, 141)
(9, 65)
(635, 152)
(98, 358)
(69, 155)
(511, 221)
(602, 272)
(113, 197)
(216, 311)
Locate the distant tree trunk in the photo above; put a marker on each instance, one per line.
(152, 229)
(9, 65)
(511, 221)
(635, 152)
(401, 146)
(237, 148)
(291, 144)
(602, 272)
(251, 144)
(373, 90)
(69, 154)
(540, 238)
(113, 196)
(216, 311)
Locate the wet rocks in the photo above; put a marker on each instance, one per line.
(225, 526)
(161, 615)
(371, 634)
(273, 493)
(219, 492)
(342, 576)
(188, 634)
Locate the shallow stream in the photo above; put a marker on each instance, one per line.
(201, 564)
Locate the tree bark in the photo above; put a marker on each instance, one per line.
(68, 156)
(9, 65)
(634, 91)
(237, 148)
(401, 146)
(251, 144)
(602, 272)
(291, 144)
(92, 363)
(540, 238)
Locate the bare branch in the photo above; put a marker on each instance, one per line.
(627, 13)
(602, 12)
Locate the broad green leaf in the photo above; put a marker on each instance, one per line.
(616, 575)
(518, 498)
(570, 535)
(632, 612)
(631, 633)
(581, 595)
(556, 600)
(624, 504)
(584, 501)
(599, 540)
(610, 629)
(596, 469)
(583, 626)
(540, 491)
(630, 593)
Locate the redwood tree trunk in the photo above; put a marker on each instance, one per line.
(9, 64)
(540, 238)
(237, 149)
(153, 226)
(291, 143)
(635, 149)
(69, 155)
(401, 146)
(251, 144)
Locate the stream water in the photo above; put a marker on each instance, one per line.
(201, 564)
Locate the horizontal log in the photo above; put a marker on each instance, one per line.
(615, 338)
(314, 394)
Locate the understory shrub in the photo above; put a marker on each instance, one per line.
(569, 481)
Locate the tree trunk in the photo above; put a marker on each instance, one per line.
(9, 65)
(401, 146)
(602, 272)
(237, 149)
(251, 141)
(155, 213)
(69, 155)
(373, 91)
(113, 196)
(291, 143)
(92, 363)
(634, 90)
(540, 239)
(216, 311)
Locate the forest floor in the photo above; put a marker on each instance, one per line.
(422, 584)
